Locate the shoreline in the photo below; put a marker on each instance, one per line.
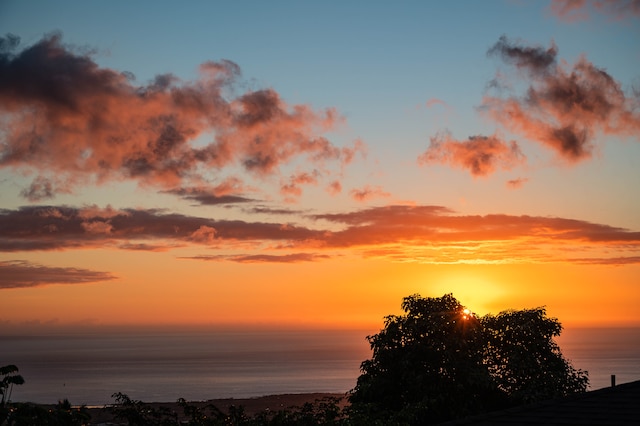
(101, 415)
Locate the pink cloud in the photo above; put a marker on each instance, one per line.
(565, 106)
(481, 155)
(368, 193)
(334, 188)
(293, 187)
(432, 102)
(67, 116)
(569, 10)
(578, 10)
(204, 234)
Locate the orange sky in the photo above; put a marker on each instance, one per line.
(314, 170)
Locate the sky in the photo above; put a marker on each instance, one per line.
(287, 164)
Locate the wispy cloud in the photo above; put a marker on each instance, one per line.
(23, 274)
(263, 258)
(578, 10)
(481, 155)
(368, 192)
(516, 183)
(72, 120)
(292, 188)
(205, 196)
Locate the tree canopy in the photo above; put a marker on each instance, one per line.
(438, 361)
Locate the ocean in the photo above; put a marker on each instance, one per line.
(199, 364)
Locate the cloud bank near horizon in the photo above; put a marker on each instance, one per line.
(427, 234)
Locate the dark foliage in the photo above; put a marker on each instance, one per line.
(62, 414)
(10, 377)
(439, 362)
(325, 411)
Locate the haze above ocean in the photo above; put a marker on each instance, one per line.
(199, 364)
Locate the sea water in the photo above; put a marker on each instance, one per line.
(164, 365)
(192, 364)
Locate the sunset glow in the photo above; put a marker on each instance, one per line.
(309, 165)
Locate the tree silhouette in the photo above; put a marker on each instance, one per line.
(524, 360)
(438, 361)
(10, 378)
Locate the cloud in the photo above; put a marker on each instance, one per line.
(578, 10)
(435, 234)
(24, 274)
(481, 155)
(614, 261)
(293, 187)
(565, 106)
(97, 227)
(430, 234)
(66, 116)
(535, 60)
(57, 228)
(368, 193)
(569, 10)
(433, 102)
(263, 258)
(94, 211)
(204, 234)
(334, 188)
(207, 197)
(516, 183)
(40, 189)
(272, 211)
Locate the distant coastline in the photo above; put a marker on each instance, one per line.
(251, 406)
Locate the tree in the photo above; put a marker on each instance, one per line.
(10, 378)
(438, 361)
(524, 360)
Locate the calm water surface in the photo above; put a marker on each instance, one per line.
(88, 368)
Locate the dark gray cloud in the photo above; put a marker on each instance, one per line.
(54, 228)
(208, 198)
(23, 274)
(534, 59)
